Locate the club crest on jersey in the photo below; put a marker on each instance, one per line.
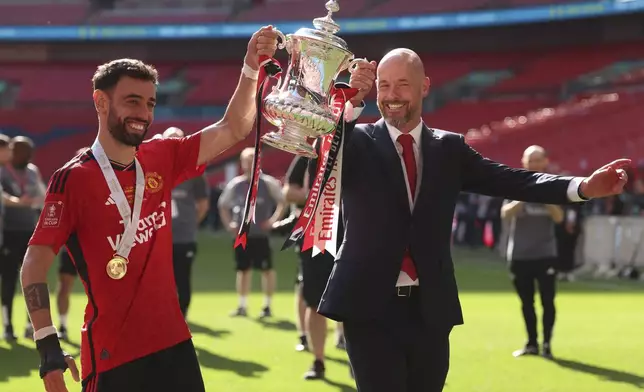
(153, 182)
(52, 213)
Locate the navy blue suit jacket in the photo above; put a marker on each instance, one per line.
(379, 225)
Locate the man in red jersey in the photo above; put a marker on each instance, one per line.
(111, 208)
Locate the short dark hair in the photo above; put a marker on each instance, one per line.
(109, 74)
(4, 140)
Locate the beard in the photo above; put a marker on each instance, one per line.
(399, 119)
(118, 129)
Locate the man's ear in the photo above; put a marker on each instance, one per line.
(100, 100)
(426, 84)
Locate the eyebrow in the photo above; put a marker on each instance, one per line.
(137, 96)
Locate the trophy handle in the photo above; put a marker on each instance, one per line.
(352, 65)
(284, 44)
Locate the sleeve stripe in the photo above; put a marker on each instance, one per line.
(59, 179)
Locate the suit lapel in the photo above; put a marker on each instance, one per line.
(431, 152)
(391, 163)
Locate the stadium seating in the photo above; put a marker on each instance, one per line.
(536, 79)
(71, 12)
(42, 12)
(580, 135)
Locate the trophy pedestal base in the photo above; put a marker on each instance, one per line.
(290, 142)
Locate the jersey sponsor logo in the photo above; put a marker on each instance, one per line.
(153, 182)
(52, 214)
(147, 227)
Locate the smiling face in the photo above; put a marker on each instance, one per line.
(125, 97)
(401, 85)
(131, 110)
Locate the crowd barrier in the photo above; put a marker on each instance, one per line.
(612, 243)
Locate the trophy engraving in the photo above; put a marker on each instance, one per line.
(300, 107)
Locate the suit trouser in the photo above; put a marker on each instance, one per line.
(398, 352)
(524, 275)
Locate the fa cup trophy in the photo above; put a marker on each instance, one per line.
(301, 106)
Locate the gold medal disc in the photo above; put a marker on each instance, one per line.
(117, 267)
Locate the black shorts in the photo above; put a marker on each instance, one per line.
(315, 275)
(66, 264)
(257, 255)
(174, 369)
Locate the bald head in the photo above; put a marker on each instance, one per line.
(172, 132)
(402, 85)
(535, 158)
(406, 57)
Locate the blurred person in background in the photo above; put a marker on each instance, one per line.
(532, 256)
(258, 253)
(24, 195)
(314, 272)
(5, 157)
(66, 275)
(190, 204)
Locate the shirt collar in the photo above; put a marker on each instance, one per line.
(415, 133)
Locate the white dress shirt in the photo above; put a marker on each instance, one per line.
(352, 114)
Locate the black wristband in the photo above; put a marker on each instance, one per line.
(52, 356)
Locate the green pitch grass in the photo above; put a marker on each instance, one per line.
(599, 335)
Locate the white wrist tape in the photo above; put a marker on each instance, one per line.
(44, 332)
(249, 72)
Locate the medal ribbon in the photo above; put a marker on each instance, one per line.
(330, 149)
(269, 68)
(130, 217)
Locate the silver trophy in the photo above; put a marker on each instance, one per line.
(301, 106)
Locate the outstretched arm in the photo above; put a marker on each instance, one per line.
(482, 175)
(240, 114)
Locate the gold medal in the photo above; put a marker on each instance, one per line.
(117, 267)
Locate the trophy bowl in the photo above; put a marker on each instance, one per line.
(300, 107)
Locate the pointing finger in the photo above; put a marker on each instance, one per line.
(620, 163)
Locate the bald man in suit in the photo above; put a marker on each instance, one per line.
(393, 282)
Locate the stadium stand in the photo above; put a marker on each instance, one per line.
(462, 99)
(72, 12)
(39, 12)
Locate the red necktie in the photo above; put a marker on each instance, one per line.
(407, 143)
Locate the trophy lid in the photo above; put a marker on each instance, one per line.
(325, 28)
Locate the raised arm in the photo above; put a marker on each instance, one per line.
(239, 118)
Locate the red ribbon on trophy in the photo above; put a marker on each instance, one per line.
(269, 68)
(318, 229)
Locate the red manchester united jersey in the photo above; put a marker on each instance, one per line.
(139, 314)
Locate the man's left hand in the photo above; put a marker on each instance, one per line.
(263, 42)
(607, 181)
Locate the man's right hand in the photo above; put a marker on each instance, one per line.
(54, 380)
(362, 78)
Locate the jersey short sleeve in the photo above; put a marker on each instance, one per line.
(185, 151)
(227, 195)
(58, 217)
